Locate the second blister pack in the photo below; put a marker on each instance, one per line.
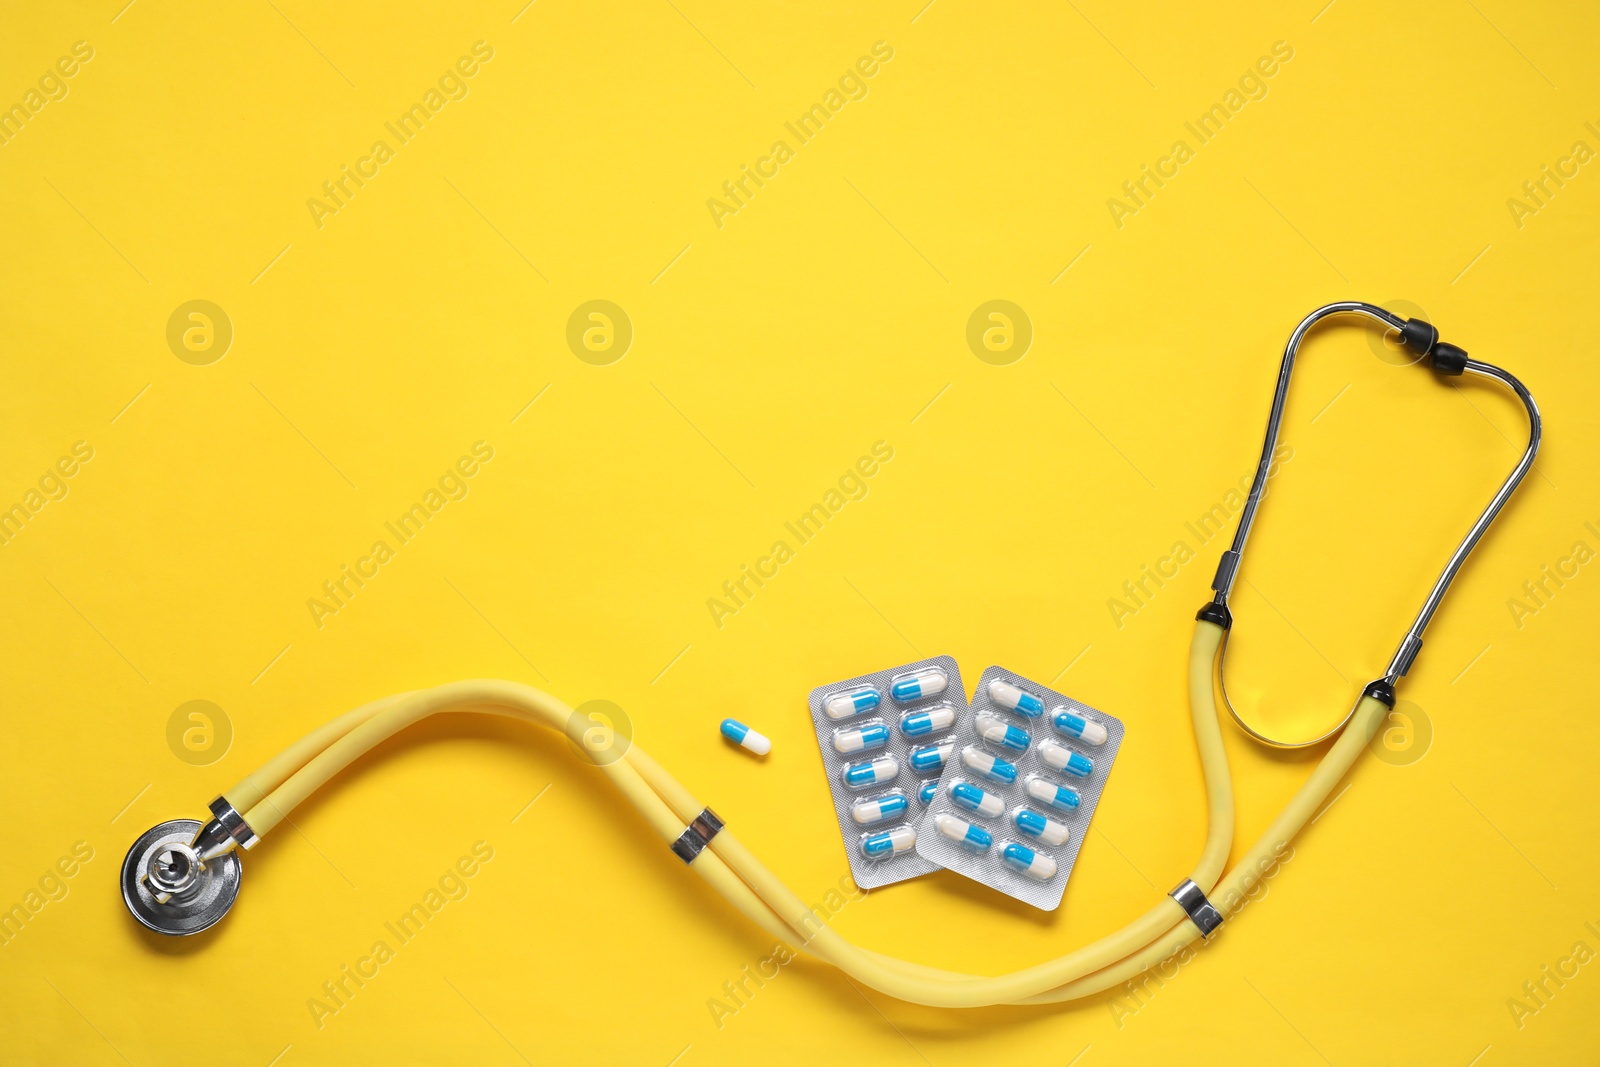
(1020, 785)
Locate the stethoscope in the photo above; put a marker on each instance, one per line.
(181, 877)
(1446, 359)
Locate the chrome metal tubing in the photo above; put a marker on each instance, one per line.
(1411, 644)
(1230, 568)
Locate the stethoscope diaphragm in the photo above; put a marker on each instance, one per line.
(169, 889)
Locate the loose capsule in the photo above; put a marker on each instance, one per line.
(918, 723)
(1059, 797)
(1011, 698)
(925, 794)
(930, 757)
(1076, 726)
(871, 772)
(928, 682)
(1042, 827)
(1059, 757)
(744, 737)
(972, 798)
(888, 843)
(871, 812)
(963, 832)
(851, 702)
(1026, 861)
(991, 767)
(861, 739)
(997, 732)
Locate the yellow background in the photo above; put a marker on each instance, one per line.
(768, 355)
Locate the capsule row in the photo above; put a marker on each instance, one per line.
(1064, 719)
(924, 759)
(982, 802)
(880, 770)
(905, 688)
(870, 811)
(873, 734)
(974, 838)
(1004, 772)
(996, 731)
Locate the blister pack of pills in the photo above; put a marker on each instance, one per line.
(885, 738)
(1019, 787)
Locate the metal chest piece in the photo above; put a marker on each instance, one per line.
(171, 886)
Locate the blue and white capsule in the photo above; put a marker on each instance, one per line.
(1041, 827)
(930, 757)
(987, 766)
(1059, 757)
(1011, 698)
(1076, 726)
(996, 731)
(1059, 797)
(927, 682)
(1024, 860)
(969, 796)
(871, 772)
(861, 739)
(967, 835)
(851, 702)
(926, 793)
(896, 842)
(873, 810)
(921, 723)
(744, 737)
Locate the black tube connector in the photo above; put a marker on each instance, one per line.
(1215, 613)
(1380, 690)
(1419, 336)
(1423, 339)
(1448, 359)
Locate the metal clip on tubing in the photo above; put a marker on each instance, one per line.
(1445, 359)
(749, 887)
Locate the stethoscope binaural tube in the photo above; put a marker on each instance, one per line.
(1445, 359)
(260, 802)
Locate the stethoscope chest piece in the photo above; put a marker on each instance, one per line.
(168, 887)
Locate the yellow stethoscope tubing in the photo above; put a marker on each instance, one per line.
(268, 794)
